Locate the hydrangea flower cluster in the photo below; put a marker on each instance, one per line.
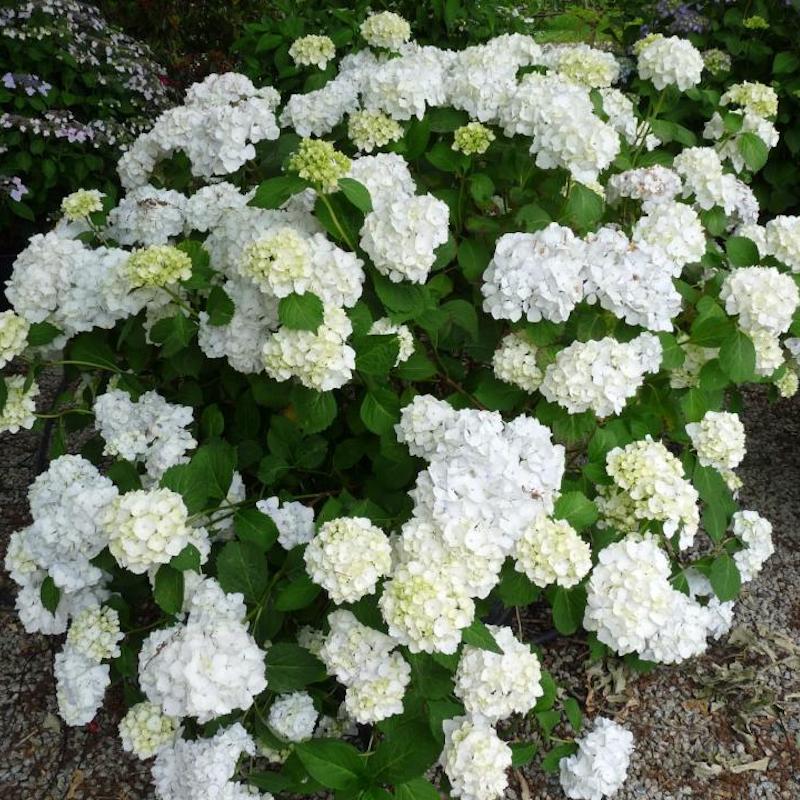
(386, 370)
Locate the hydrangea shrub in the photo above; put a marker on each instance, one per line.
(365, 368)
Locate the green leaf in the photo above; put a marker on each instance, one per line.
(712, 326)
(124, 474)
(753, 151)
(93, 349)
(584, 208)
(252, 525)
(514, 588)
(215, 464)
(375, 354)
(300, 593)
(742, 252)
(725, 578)
(568, 606)
(302, 312)
(315, 410)
(444, 158)
(168, 590)
(531, 218)
(173, 334)
(418, 367)
(187, 559)
(291, 667)
(189, 483)
(737, 357)
(785, 63)
(402, 300)
(201, 265)
(430, 678)
(242, 567)
(274, 192)
(334, 764)
(473, 258)
(41, 333)
(446, 120)
(522, 753)
(551, 761)
(219, 307)
(380, 410)
(212, 422)
(418, 789)
(49, 594)
(577, 509)
(672, 355)
(407, 752)
(572, 709)
(356, 193)
(478, 635)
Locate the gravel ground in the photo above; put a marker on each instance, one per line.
(723, 726)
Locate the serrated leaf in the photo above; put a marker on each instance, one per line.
(188, 558)
(300, 593)
(315, 410)
(725, 578)
(568, 606)
(478, 635)
(356, 193)
(49, 594)
(407, 752)
(737, 357)
(417, 789)
(274, 192)
(302, 312)
(375, 354)
(252, 525)
(242, 567)
(334, 764)
(741, 251)
(219, 307)
(41, 333)
(574, 714)
(551, 761)
(93, 349)
(380, 410)
(473, 258)
(291, 668)
(522, 753)
(168, 589)
(514, 588)
(418, 367)
(753, 150)
(577, 509)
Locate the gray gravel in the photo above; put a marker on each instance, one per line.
(703, 730)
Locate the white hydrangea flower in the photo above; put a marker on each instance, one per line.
(385, 175)
(586, 65)
(695, 358)
(319, 359)
(402, 333)
(148, 430)
(386, 30)
(757, 234)
(370, 129)
(347, 557)
(757, 98)
(146, 528)
(144, 730)
(632, 280)
(146, 215)
(319, 112)
(676, 229)
(718, 439)
(762, 297)
(600, 766)
(279, 263)
(729, 147)
(95, 633)
(401, 236)
(204, 669)
(464, 552)
(494, 685)
(538, 275)
(670, 61)
(783, 240)
(203, 769)
(769, 355)
(378, 691)
(719, 614)
(19, 409)
(312, 639)
(514, 362)
(293, 716)
(13, 336)
(294, 521)
(600, 375)
(653, 486)
(701, 171)
(241, 341)
(423, 423)
(424, 610)
(80, 685)
(632, 606)
(351, 647)
(788, 384)
(312, 50)
(651, 185)
(157, 265)
(551, 551)
(755, 533)
(68, 503)
(474, 759)
(206, 207)
(82, 203)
